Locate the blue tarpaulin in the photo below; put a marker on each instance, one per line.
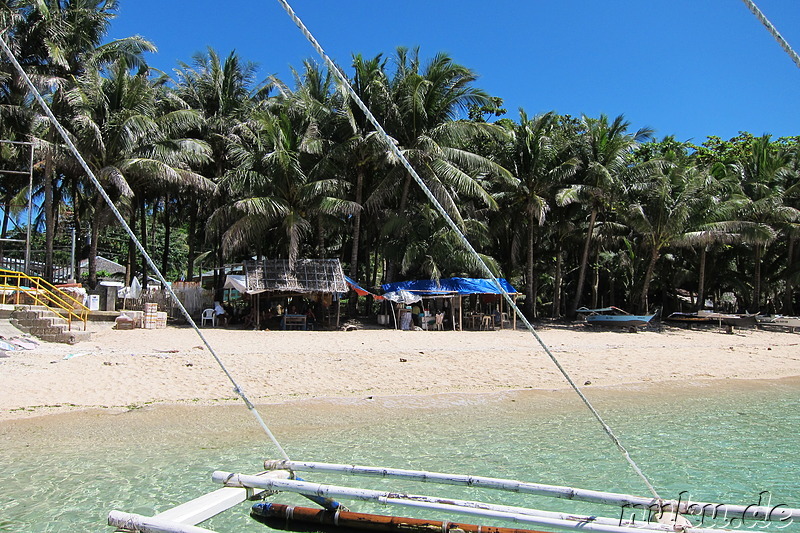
(443, 287)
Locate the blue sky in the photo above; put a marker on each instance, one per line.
(689, 68)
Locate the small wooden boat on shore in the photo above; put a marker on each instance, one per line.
(688, 318)
(731, 319)
(791, 322)
(614, 317)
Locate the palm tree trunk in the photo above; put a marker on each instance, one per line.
(584, 261)
(755, 306)
(596, 279)
(648, 276)
(49, 215)
(529, 294)
(143, 217)
(167, 232)
(701, 283)
(357, 223)
(93, 243)
(556, 311)
(191, 242)
(788, 295)
(404, 195)
(4, 230)
(130, 270)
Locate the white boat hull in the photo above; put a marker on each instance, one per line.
(778, 320)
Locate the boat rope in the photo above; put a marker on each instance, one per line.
(237, 389)
(773, 30)
(392, 145)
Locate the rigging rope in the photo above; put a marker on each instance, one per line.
(398, 153)
(237, 389)
(773, 30)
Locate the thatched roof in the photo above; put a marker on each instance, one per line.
(308, 276)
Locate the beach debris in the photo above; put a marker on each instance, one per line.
(77, 354)
(7, 346)
(166, 351)
(587, 382)
(4, 354)
(403, 360)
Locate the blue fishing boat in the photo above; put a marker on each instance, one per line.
(614, 316)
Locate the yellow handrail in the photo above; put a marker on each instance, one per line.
(42, 292)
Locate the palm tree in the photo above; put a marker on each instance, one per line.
(272, 187)
(763, 175)
(604, 151)
(224, 91)
(540, 160)
(58, 41)
(131, 142)
(661, 212)
(421, 117)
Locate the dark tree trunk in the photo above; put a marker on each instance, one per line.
(4, 230)
(357, 224)
(651, 267)
(49, 213)
(788, 296)
(130, 269)
(143, 219)
(701, 283)
(596, 280)
(584, 261)
(93, 244)
(191, 242)
(530, 295)
(167, 234)
(755, 306)
(556, 311)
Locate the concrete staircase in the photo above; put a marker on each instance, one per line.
(45, 324)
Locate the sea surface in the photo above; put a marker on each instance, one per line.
(737, 442)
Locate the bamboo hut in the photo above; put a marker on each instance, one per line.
(319, 279)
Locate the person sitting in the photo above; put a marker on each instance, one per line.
(222, 315)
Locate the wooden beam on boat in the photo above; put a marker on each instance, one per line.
(149, 524)
(687, 507)
(193, 512)
(486, 510)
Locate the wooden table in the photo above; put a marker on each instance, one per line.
(293, 321)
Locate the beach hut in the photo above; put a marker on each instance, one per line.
(454, 289)
(317, 278)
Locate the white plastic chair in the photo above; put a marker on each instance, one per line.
(208, 315)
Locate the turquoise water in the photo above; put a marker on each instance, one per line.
(65, 473)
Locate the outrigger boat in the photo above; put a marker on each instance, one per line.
(731, 319)
(688, 318)
(614, 317)
(654, 515)
(791, 322)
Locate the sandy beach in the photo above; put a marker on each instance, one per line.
(124, 370)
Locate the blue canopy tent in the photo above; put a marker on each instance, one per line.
(450, 287)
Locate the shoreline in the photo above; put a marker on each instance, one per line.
(213, 424)
(120, 371)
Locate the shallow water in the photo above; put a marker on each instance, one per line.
(719, 442)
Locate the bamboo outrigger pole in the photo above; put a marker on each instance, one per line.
(688, 507)
(485, 510)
